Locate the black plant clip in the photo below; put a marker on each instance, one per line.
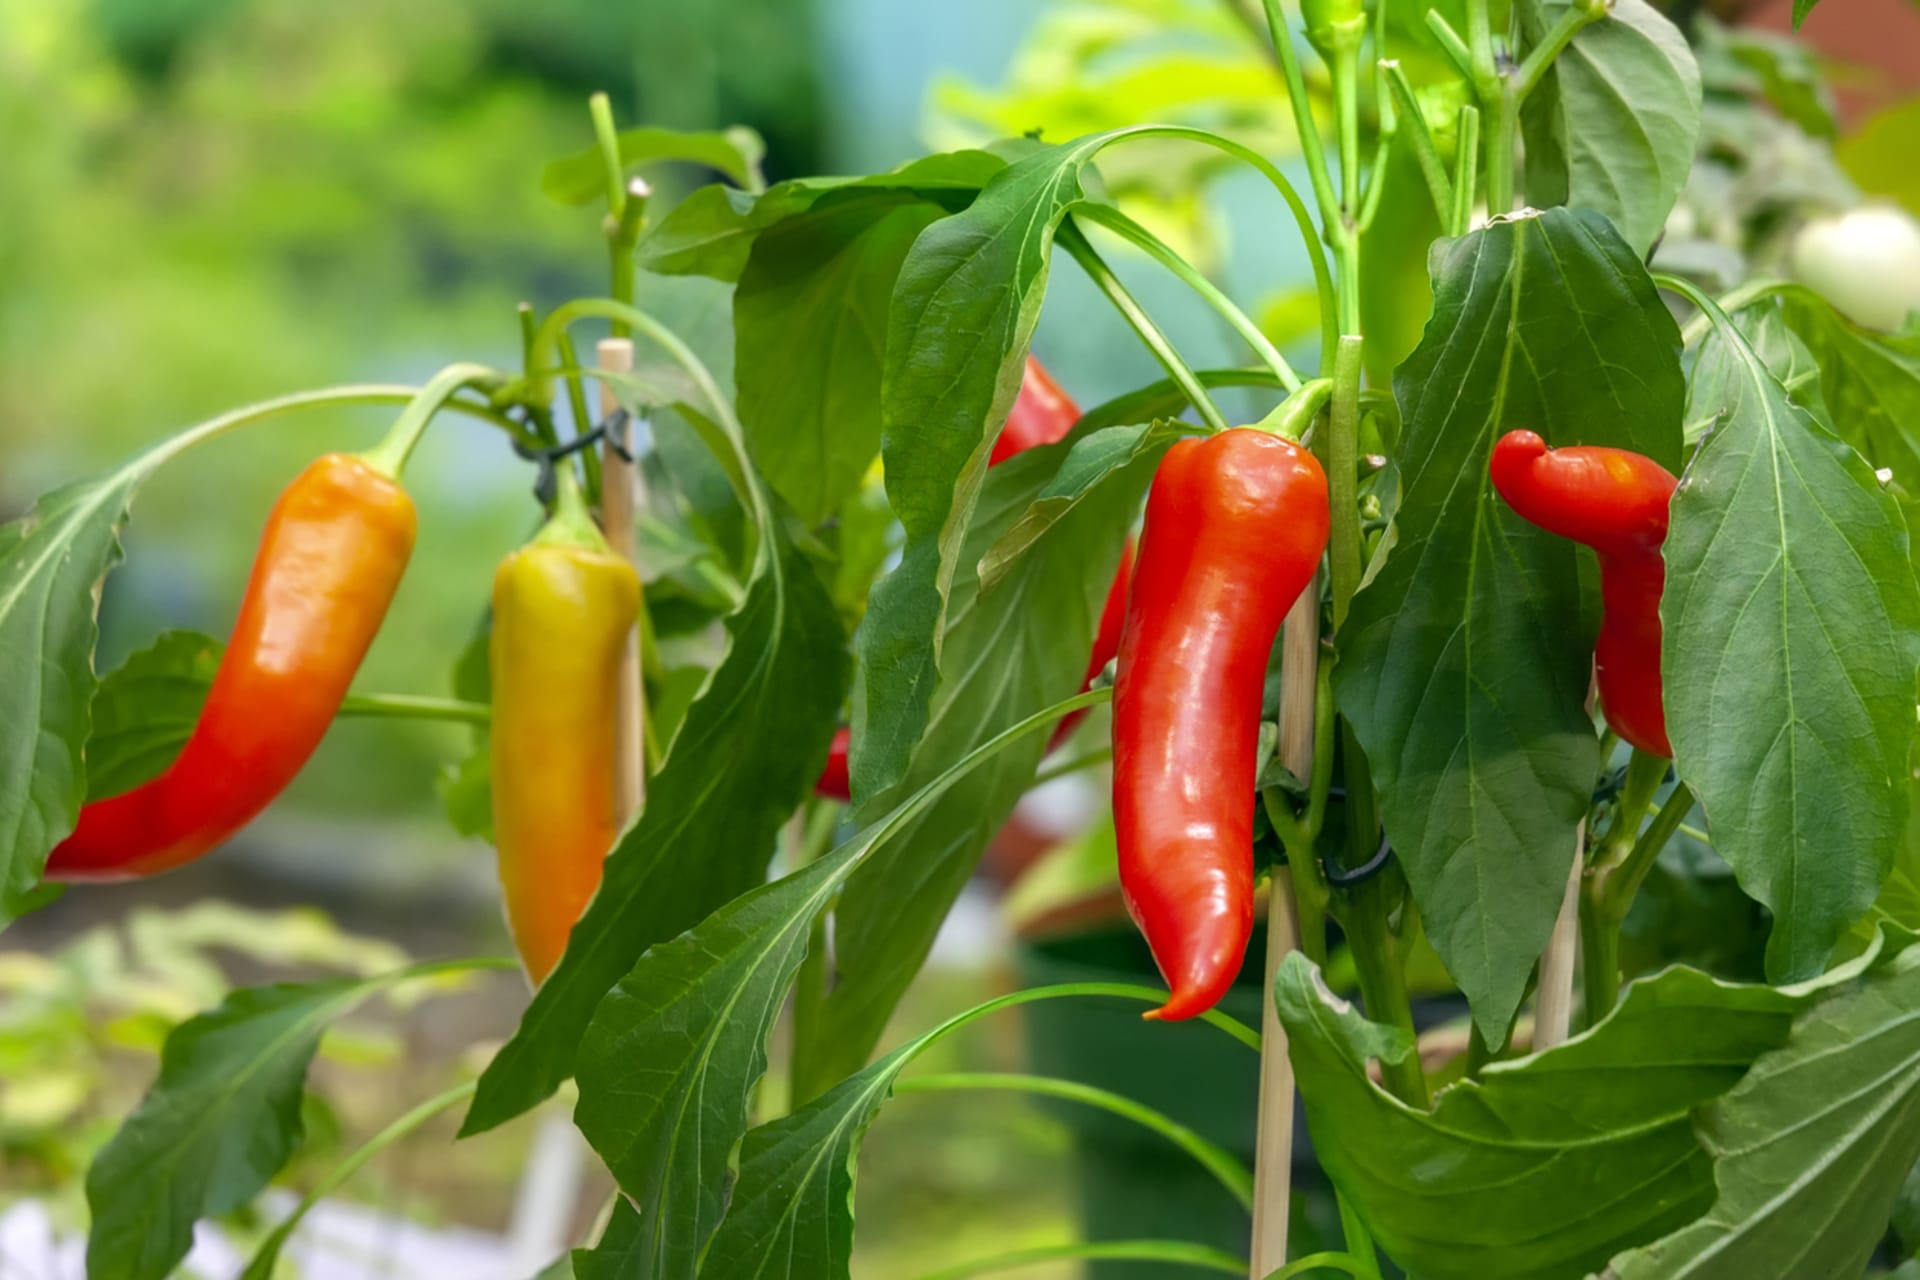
(1347, 877)
(546, 482)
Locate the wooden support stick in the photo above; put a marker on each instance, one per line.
(616, 514)
(1553, 996)
(1273, 1162)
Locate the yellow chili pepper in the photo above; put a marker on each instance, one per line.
(563, 606)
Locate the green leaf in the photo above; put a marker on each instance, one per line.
(1011, 648)
(1463, 665)
(670, 1060)
(810, 319)
(964, 310)
(221, 1120)
(669, 1063)
(466, 785)
(1093, 459)
(735, 151)
(51, 566)
(144, 711)
(1791, 627)
(1812, 1147)
(712, 231)
(1801, 8)
(749, 749)
(1612, 126)
(1545, 1166)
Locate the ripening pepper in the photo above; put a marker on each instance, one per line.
(335, 546)
(1235, 528)
(563, 606)
(1614, 501)
(1042, 414)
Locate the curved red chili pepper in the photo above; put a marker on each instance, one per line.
(333, 551)
(1614, 501)
(1235, 528)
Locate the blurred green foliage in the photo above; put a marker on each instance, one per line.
(212, 201)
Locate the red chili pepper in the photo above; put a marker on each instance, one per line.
(835, 781)
(1614, 501)
(332, 554)
(1042, 414)
(1235, 528)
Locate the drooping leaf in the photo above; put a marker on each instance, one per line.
(670, 1061)
(1791, 627)
(582, 176)
(1094, 458)
(222, 1118)
(51, 565)
(1545, 1166)
(1812, 1148)
(748, 750)
(1011, 648)
(1801, 8)
(964, 309)
(144, 710)
(1612, 126)
(1463, 668)
(810, 323)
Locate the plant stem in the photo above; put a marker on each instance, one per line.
(1425, 150)
(1503, 117)
(1383, 987)
(1466, 172)
(407, 706)
(1075, 243)
(1617, 886)
(582, 419)
(1120, 224)
(1312, 147)
(1227, 1170)
(1343, 480)
(391, 454)
(1558, 36)
(1451, 44)
(1599, 960)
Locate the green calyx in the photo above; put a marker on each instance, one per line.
(1295, 415)
(572, 524)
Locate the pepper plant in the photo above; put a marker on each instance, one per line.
(1441, 771)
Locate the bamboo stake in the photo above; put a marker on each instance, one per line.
(1553, 997)
(1273, 1161)
(616, 514)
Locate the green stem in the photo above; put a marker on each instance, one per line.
(1229, 1172)
(327, 397)
(1569, 24)
(1359, 1240)
(390, 456)
(1621, 885)
(1075, 243)
(1294, 417)
(1383, 986)
(1599, 961)
(265, 1257)
(1466, 175)
(1425, 149)
(1366, 1269)
(1451, 44)
(1074, 765)
(1503, 117)
(1312, 146)
(1120, 224)
(407, 706)
(1346, 96)
(582, 417)
(1168, 1252)
(1343, 479)
(542, 422)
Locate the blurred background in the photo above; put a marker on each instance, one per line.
(207, 202)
